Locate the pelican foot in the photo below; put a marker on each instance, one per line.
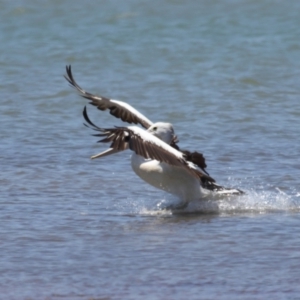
(175, 207)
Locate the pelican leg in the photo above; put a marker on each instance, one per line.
(180, 206)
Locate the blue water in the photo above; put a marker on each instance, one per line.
(225, 74)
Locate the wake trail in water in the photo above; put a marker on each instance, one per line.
(256, 202)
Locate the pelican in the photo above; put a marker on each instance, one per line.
(156, 158)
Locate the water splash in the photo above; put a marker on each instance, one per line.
(261, 202)
(254, 202)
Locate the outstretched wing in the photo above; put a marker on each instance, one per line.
(145, 144)
(119, 109)
(129, 114)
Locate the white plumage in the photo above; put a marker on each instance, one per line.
(156, 156)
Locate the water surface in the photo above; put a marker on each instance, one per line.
(225, 73)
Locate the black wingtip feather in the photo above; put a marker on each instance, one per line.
(87, 119)
(69, 76)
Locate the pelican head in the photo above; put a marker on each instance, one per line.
(163, 131)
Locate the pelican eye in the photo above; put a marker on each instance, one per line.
(154, 128)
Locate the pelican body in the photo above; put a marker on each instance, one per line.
(173, 180)
(156, 157)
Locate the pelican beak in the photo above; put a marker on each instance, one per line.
(105, 153)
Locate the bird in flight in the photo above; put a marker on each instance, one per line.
(156, 158)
